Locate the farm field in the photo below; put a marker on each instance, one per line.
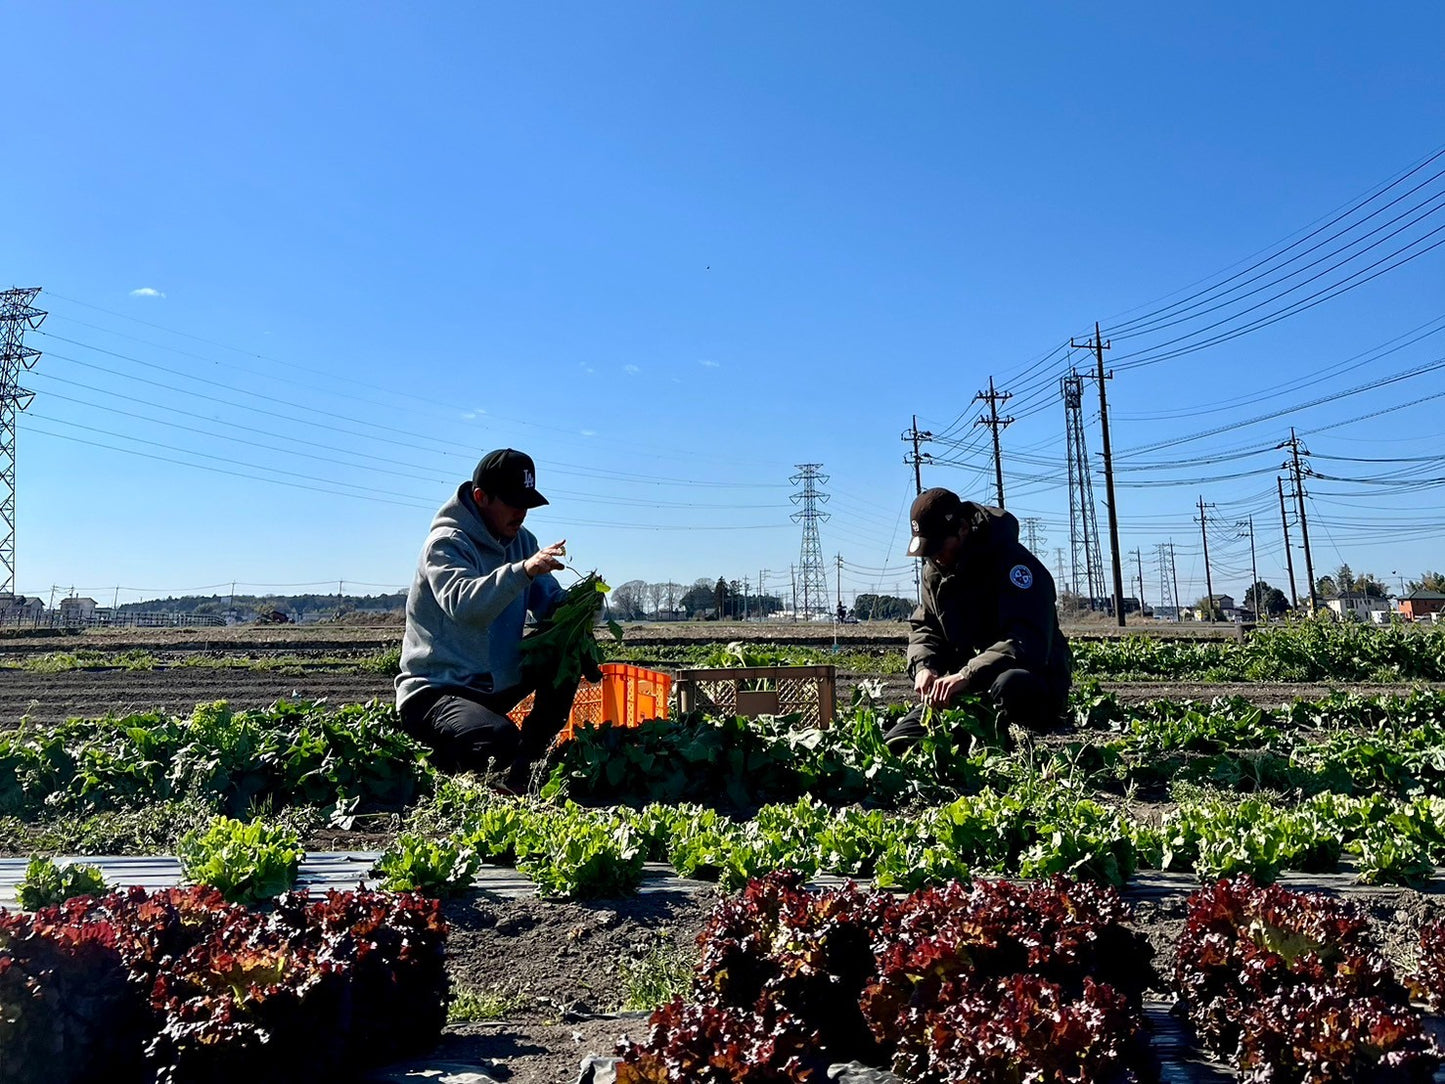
(1162, 785)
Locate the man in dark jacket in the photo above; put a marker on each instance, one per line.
(479, 574)
(987, 623)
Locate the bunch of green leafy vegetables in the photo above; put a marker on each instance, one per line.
(563, 648)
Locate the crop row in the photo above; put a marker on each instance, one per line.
(992, 980)
(181, 986)
(352, 759)
(1304, 651)
(1054, 828)
(1347, 776)
(1039, 982)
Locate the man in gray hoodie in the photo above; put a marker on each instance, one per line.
(479, 574)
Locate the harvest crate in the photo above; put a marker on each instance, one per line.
(808, 691)
(626, 696)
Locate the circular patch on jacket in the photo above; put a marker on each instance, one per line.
(1021, 576)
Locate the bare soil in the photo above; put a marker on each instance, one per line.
(562, 964)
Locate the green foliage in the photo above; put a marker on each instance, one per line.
(573, 855)
(489, 1004)
(661, 975)
(414, 864)
(153, 830)
(745, 762)
(1297, 651)
(688, 656)
(1228, 835)
(344, 759)
(244, 862)
(386, 662)
(46, 884)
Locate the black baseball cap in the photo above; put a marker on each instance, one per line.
(936, 514)
(509, 475)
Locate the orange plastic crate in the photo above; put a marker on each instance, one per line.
(626, 696)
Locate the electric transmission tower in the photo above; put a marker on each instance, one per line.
(1164, 556)
(17, 315)
(1083, 523)
(1036, 540)
(812, 577)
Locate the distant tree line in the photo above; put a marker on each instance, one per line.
(246, 606)
(729, 600)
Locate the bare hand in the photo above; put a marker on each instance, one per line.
(547, 559)
(947, 688)
(923, 681)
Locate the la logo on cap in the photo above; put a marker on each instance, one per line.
(529, 480)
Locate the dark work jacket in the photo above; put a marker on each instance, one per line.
(993, 611)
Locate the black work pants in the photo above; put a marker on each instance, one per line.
(470, 730)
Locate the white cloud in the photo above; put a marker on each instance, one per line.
(589, 432)
(585, 367)
(147, 291)
(473, 415)
(708, 364)
(631, 370)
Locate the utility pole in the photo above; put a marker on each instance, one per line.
(1139, 567)
(1288, 556)
(793, 591)
(917, 458)
(762, 607)
(994, 422)
(1293, 444)
(839, 558)
(1208, 580)
(1099, 346)
(1253, 570)
(17, 315)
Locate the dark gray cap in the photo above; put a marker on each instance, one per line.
(936, 514)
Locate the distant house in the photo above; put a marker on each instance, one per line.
(15, 608)
(1357, 607)
(77, 611)
(1225, 606)
(1420, 605)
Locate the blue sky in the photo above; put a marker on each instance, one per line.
(304, 266)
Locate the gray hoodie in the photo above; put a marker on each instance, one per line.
(468, 604)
